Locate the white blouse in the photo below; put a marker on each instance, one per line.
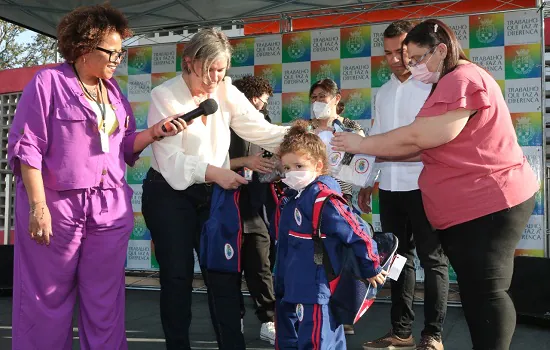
(182, 159)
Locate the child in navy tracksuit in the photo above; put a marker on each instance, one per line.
(303, 317)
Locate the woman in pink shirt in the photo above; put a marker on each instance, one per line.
(477, 186)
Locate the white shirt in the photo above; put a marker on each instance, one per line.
(182, 159)
(396, 104)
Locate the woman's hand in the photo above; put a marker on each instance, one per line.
(259, 163)
(227, 179)
(347, 142)
(40, 223)
(378, 279)
(172, 125)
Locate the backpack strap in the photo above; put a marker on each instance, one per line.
(320, 254)
(280, 203)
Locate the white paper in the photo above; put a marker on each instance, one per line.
(104, 141)
(357, 173)
(396, 267)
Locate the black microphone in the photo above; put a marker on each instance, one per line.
(206, 107)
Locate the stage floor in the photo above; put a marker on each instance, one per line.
(145, 333)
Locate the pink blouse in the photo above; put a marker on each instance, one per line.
(483, 170)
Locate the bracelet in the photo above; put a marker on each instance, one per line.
(33, 206)
(33, 212)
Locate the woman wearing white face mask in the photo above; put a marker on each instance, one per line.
(325, 99)
(477, 187)
(325, 103)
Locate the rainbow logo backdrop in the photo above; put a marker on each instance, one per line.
(140, 110)
(486, 30)
(159, 78)
(179, 55)
(297, 47)
(502, 84)
(375, 200)
(140, 231)
(295, 106)
(523, 61)
(530, 252)
(539, 202)
(273, 73)
(136, 174)
(452, 274)
(357, 103)
(325, 69)
(139, 60)
(381, 72)
(154, 262)
(528, 128)
(243, 52)
(355, 42)
(122, 81)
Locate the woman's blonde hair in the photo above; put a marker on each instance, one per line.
(299, 139)
(207, 46)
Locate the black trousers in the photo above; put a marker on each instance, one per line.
(481, 252)
(256, 262)
(175, 219)
(402, 213)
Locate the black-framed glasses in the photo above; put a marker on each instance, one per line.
(414, 63)
(264, 102)
(113, 55)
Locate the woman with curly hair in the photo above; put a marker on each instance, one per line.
(72, 136)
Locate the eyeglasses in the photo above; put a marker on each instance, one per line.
(414, 63)
(264, 102)
(113, 55)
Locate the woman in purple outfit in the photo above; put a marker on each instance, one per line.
(72, 136)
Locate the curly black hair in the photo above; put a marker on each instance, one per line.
(253, 86)
(82, 30)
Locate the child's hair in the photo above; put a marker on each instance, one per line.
(301, 141)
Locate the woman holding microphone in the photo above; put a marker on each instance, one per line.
(178, 187)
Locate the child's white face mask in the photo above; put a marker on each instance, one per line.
(299, 179)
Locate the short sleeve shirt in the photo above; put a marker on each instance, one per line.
(483, 170)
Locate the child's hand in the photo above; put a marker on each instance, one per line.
(378, 279)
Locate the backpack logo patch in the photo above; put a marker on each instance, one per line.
(228, 251)
(298, 216)
(300, 312)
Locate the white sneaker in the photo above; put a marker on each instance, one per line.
(242, 325)
(267, 333)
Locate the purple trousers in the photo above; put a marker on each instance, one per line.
(85, 258)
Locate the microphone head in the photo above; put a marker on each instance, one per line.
(209, 106)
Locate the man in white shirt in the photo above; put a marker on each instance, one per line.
(401, 210)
